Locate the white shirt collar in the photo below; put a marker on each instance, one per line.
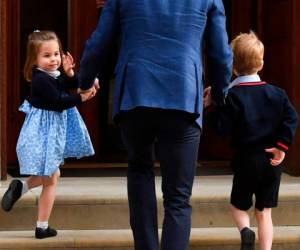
(55, 73)
(247, 78)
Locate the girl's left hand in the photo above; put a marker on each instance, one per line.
(68, 64)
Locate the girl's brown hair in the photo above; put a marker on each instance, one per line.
(248, 53)
(35, 39)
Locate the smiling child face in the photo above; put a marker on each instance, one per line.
(49, 57)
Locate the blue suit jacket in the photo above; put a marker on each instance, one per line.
(160, 64)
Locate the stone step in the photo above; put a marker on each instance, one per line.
(285, 238)
(101, 203)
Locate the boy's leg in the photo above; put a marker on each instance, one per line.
(242, 221)
(240, 217)
(265, 228)
(266, 198)
(241, 200)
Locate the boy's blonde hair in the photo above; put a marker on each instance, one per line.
(248, 52)
(35, 39)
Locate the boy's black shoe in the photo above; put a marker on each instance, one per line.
(41, 233)
(248, 239)
(12, 194)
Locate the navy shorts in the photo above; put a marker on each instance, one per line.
(254, 175)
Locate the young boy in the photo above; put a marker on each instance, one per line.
(262, 124)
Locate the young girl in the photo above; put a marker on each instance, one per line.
(53, 128)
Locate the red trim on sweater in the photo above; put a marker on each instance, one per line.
(250, 84)
(283, 146)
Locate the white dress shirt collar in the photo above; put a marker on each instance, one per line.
(55, 73)
(247, 78)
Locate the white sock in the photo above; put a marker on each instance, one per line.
(24, 187)
(42, 224)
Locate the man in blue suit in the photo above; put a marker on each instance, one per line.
(158, 100)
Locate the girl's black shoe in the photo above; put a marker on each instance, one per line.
(12, 194)
(41, 233)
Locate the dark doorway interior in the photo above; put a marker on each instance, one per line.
(228, 11)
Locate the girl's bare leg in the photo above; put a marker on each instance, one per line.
(34, 181)
(47, 196)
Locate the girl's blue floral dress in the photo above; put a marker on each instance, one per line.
(48, 137)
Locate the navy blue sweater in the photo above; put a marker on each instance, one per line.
(257, 116)
(52, 94)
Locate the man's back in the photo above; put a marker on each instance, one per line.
(162, 26)
(160, 63)
(160, 71)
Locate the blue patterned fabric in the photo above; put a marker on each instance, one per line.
(48, 137)
(160, 63)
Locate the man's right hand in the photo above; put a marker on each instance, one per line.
(100, 3)
(87, 94)
(207, 97)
